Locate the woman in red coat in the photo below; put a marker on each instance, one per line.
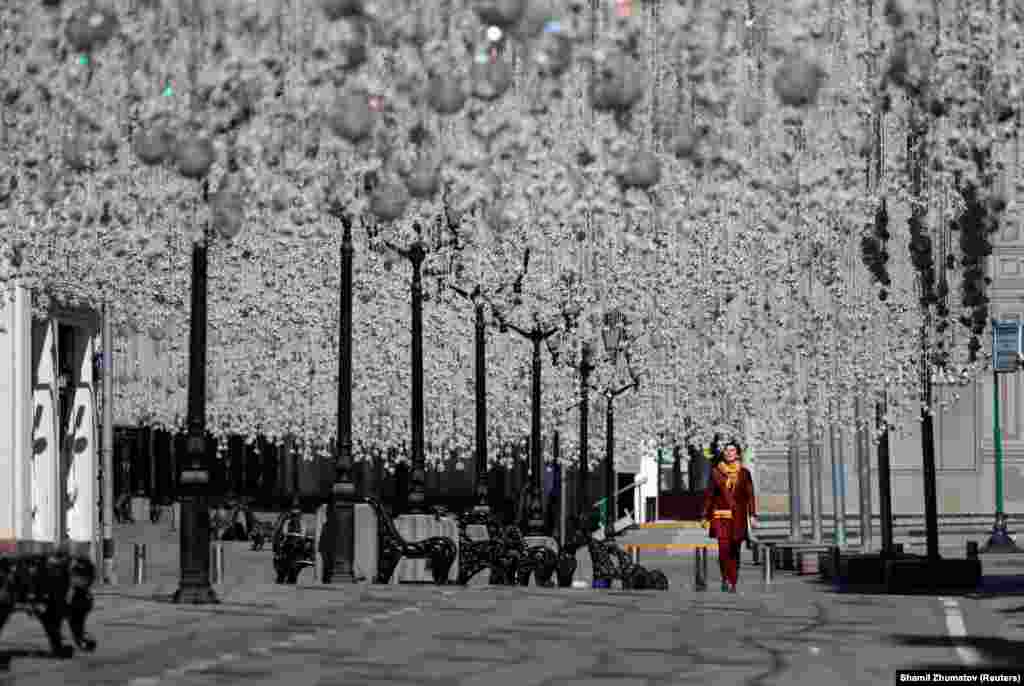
(728, 502)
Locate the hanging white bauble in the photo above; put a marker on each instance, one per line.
(496, 216)
(446, 93)
(91, 27)
(227, 211)
(619, 84)
(194, 155)
(351, 116)
(537, 15)
(75, 151)
(389, 200)
(336, 9)
(354, 35)
(642, 170)
(153, 143)
(684, 141)
(491, 75)
(500, 13)
(424, 179)
(798, 81)
(552, 50)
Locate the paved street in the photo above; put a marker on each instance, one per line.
(406, 635)
(796, 631)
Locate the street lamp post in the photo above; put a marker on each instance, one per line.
(535, 524)
(194, 480)
(416, 254)
(339, 564)
(582, 488)
(480, 392)
(612, 334)
(417, 493)
(480, 383)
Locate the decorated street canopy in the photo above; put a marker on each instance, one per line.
(789, 202)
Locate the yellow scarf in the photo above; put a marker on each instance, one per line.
(731, 472)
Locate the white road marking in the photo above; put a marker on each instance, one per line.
(815, 650)
(958, 630)
(145, 681)
(228, 657)
(303, 638)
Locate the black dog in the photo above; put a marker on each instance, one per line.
(53, 587)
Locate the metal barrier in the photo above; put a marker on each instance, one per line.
(768, 565)
(139, 572)
(216, 562)
(700, 582)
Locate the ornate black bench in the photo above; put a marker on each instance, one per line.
(54, 588)
(612, 562)
(478, 555)
(441, 551)
(509, 558)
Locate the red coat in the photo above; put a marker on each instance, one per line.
(740, 500)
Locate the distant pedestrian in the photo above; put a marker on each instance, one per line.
(123, 510)
(728, 501)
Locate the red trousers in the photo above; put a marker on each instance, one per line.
(729, 559)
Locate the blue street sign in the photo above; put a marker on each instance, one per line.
(1006, 338)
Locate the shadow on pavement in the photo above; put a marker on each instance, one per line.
(992, 586)
(7, 655)
(995, 652)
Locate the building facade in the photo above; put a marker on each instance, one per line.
(49, 430)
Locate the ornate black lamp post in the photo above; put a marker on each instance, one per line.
(582, 487)
(339, 549)
(612, 333)
(480, 392)
(194, 479)
(416, 254)
(535, 505)
(480, 383)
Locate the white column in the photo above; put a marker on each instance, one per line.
(22, 376)
(8, 421)
(82, 511)
(45, 467)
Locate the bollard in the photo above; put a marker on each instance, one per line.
(139, 563)
(701, 574)
(972, 550)
(835, 554)
(216, 562)
(768, 568)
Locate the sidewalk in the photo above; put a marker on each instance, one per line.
(241, 564)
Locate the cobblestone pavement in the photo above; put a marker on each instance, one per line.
(407, 635)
